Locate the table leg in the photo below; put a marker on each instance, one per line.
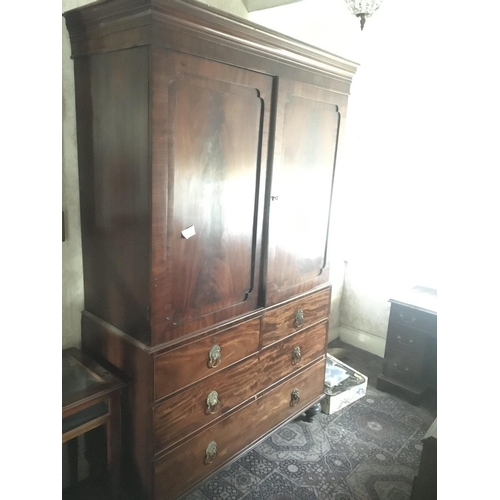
(95, 451)
(113, 435)
(73, 460)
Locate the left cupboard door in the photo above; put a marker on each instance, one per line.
(210, 133)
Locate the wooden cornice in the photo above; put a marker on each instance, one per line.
(90, 25)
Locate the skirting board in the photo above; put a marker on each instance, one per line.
(363, 340)
(333, 333)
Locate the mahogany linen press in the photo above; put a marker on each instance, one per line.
(207, 147)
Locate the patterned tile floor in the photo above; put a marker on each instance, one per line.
(370, 450)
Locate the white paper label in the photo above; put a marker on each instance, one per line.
(188, 232)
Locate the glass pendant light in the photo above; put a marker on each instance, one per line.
(363, 8)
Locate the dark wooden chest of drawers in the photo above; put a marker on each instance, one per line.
(411, 345)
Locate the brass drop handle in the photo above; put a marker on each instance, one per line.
(299, 318)
(294, 397)
(410, 341)
(214, 356)
(210, 452)
(404, 370)
(407, 320)
(296, 355)
(212, 402)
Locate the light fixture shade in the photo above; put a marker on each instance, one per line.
(363, 8)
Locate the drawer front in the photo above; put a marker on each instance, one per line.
(403, 369)
(408, 316)
(187, 464)
(181, 367)
(189, 410)
(406, 339)
(292, 353)
(294, 316)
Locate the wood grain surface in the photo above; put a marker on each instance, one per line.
(186, 465)
(183, 366)
(276, 360)
(186, 412)
(280, 322)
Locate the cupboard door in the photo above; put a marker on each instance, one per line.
(307, 130)
(210, 133)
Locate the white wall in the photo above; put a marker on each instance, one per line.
(72, 271)
(236, 7)
(385, 191)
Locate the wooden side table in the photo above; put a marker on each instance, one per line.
(411, 347)
(91, 398)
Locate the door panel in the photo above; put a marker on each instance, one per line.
(307, 131)
(216, 139)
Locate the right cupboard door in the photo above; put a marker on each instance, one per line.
(308, 122)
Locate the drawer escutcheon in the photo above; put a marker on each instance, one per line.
(296, 355)
(212, 402)
(299, 318)
(210, 452)
(295, 397)
(214, 356)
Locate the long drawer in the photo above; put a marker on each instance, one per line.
(185, 365)
(187, 464)
(200, 404)
(294, 316)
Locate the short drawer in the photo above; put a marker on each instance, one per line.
(406, 339)
(200, 404)
(292, 353)
(185, 365)
(403, 369)
(294, 316)
(415, 318)
(187, 464)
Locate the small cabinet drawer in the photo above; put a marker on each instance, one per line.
(187, 464)
(415, 318)
(185, 365)
(403, 369)
(292, 353)
(294, 316)
(406, 339)
(200, 404)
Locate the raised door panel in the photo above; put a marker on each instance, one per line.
(307, 132)
(207, 218)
